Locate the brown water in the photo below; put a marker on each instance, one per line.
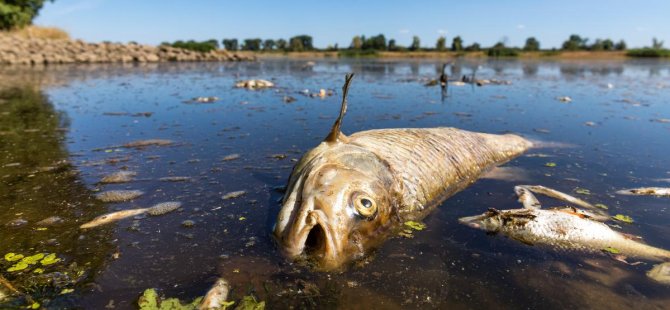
(58, 139)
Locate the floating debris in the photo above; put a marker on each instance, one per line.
(649, 191)
(278, 156)
(175, 179)
(216, 296)
(148, 142)
(233, 195)
(119, 195)
(590, 124)
(254, 84)
(231, 157)
(150, 301)
(289, 99)
(660, 273)
(661, 120)
(550, 164)
(623, 218)
(16, 222)
(52, 220)
(119, 177)
(203, 100)
(137, 114)
(163, 208)
(188, 223)
(457, 83)
(564, 99)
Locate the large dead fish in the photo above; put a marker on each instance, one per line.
(347, 194)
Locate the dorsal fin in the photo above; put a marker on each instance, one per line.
(335, 134)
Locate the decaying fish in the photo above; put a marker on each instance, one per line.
(345, 196)
(650, 191)
(158, 209)
(254, 84)
(564, 228)
(216, 296)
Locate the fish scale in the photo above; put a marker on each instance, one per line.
(435, 163)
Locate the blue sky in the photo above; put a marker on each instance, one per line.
(486, 22)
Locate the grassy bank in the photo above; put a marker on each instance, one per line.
(38, 32)
(648, 52)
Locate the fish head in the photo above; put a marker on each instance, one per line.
(339, 205)
(489, 221)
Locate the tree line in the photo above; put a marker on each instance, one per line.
(380, 43)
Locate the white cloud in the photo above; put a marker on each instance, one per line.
(442, 31)
(520, 26)
(403, 31)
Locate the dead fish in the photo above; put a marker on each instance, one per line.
(232, 195)
(348, 194)
(564, 99)
(509, 174)
(567, 229)
(216, 296)
(119, 195)
(52, 220)
(562, 229)
(174, 179)
(112, 217)
(650, 191)
(119, 177)
(254, 84)
(148, 142)
(158, 209)
(203, 100)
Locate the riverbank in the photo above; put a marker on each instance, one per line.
(17, 49)
(594, 55)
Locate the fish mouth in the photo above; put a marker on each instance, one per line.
(472, 221)
(312, 241)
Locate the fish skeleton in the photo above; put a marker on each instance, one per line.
(565, 228)
(345, 196)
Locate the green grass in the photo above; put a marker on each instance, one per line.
(648, 52)
(502, 52)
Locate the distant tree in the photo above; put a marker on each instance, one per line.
(575, 42)
(656, 44)
(269, 45)
(377, 42)
(597, 45)
(305, 42)
(230, 44)
(474, 47)
(204, 46)
(532, 44)
(457, 44)
(213, 42)
(392, 45)
(282, 44)
(356, 43)
(620, 46)
(416, 44)
(252, 44)
(608, 45)
(18, 13)
(441, 43)
(295, 45)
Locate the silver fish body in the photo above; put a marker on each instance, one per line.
(563, 229)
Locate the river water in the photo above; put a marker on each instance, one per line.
(62, 128)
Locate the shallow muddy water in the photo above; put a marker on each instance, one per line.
(63, 128)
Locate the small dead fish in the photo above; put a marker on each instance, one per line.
(562, 229)
(216, 296)
(119, 195)
(660, 273)
(158, 209)
(254, 84)
(52, 220)
(112, 217)
(564, 99)
(119, 177)
(661, 120)
(648, 191)
(349, 193)
(175, 179)
(148, 142)
(232, 195)
(204, 100)
(231, 157)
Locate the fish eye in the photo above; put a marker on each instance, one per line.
(365, 206)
